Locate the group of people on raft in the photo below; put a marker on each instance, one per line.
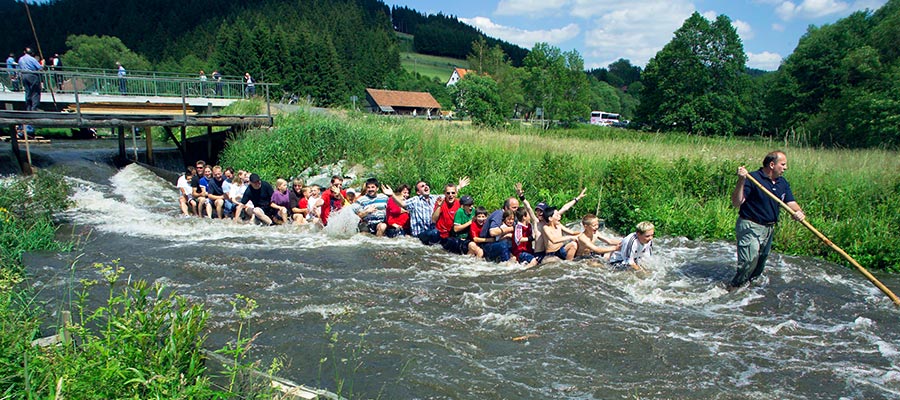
(527, 235)
(516, 233)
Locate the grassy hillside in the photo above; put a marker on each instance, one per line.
(431, 66)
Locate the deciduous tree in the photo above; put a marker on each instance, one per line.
(697, 81)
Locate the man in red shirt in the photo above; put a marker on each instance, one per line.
(444, 213)
(332, 200)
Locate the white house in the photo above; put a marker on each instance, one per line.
(458, 73)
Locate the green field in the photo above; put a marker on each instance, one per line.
(431, 66)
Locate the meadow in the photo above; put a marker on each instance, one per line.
(682, 183)
(431, 66)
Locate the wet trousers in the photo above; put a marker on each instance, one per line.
(754, 242)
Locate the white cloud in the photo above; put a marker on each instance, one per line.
(521, 37)
(743, 29)
(634, 31)
(809, 9)
(765, 60)
(867, 4)
(710, 15)
(534, 8)
(778, 27)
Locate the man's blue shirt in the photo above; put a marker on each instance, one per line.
(758, 207)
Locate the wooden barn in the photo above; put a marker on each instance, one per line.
(402, 103)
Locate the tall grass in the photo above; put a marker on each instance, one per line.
(680, 182)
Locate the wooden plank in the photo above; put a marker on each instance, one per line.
(6, 139)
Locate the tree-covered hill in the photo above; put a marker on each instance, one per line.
(442, 35)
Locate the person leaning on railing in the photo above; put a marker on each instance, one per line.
(30, 69)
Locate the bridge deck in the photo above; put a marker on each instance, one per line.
(65, 99)
(73, 120)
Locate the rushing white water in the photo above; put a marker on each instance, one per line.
(465, 328)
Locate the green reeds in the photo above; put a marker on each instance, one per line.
(680, 182)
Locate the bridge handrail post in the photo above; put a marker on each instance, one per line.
(77, 101)
(268, 105)
(183, 104)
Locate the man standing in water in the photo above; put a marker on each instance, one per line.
(759, 214)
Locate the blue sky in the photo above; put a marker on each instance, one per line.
(605, 30)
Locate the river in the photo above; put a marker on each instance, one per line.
(414, 322)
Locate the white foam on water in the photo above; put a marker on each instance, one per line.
(746, 377)
(342, 224)
(142, 188)
(476, 301)
(326, 311)
(505, 321)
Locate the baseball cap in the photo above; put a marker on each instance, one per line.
(351, 190)
(254, 178)
(466, 200)
(541, 206)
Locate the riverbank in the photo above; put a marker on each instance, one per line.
(682, 183)
(144, 341)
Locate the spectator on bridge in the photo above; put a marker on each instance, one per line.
(56, 65)
(202, 83)
(122, 73)
(11, 70)
(251, 85)
(31, 79)
(218, 78)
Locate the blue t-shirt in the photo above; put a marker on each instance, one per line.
(29, 63)
(758, 207)
(212, 187)
(493, 221)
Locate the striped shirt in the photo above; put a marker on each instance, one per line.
(379, 201)
(631, 251)
(420, 210)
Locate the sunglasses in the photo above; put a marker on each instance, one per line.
(449, 192)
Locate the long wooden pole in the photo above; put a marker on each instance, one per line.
(827, 241)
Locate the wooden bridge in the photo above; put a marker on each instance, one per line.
(96, 99)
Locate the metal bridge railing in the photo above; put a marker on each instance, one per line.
(85, 82)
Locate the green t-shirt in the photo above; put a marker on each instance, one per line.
(461, 218)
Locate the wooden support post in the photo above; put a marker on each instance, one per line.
(149, 138)
(122, 143)
(180, 144)
(24, 166)
(209, 151)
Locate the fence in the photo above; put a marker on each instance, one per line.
(142, 83)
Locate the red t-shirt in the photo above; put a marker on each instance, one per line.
(396, 215)
(445, 220)
(522, 231)
(475, 230)
(330, 204)
(303, 203)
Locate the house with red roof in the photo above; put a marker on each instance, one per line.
(402, 103)
(456, 75)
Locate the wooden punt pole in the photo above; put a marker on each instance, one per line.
(824, 239)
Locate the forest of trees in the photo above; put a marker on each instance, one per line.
(838, 88)
(443, 35)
